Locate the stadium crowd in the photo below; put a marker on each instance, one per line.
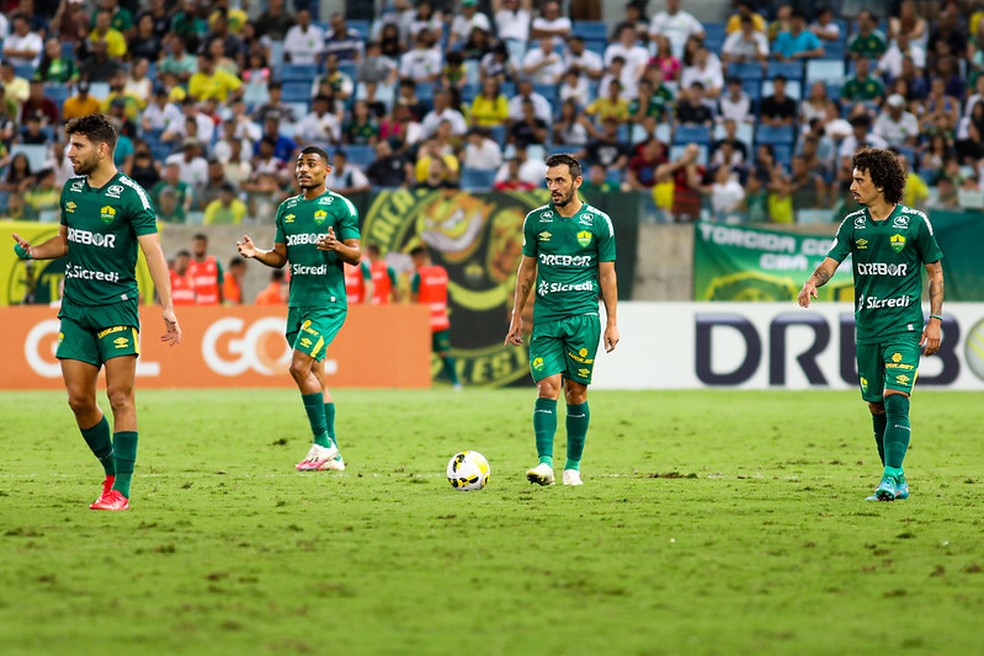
(754, 117)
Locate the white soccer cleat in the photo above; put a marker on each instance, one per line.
(317, 457)
(335, 464)
(572, 477)
(542, 474)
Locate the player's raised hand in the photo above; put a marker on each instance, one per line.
(515, 334)
(173, 334)
(22, 247)
(246, 247)
(328, 241)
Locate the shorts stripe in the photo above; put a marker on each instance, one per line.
(317, 347)
(136, 340)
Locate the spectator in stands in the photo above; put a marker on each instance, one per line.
(968, 143)
(232, 281)
(862, 87)
(212, 82)
(81, 104)
(16, 87)
(570, 128)
(861, 136)
(654, 101)
(431, 149)
(551, 24)
(509, 178)
(586, 63)
(976, 97)
(227, 209)
(597, 181)
(707, 70)
(42, 199)
(117, 89)
(948, 37)
(266, 163)
(942, 112)
(138, 83)
(210, 190)
(607, 148)
(275, 22)
(401, 128)
(192, 167)
(815, 104)
(743, 10)
(454, 73)
(745, 45)
(427, 20)
(275, 293)
(319, 126)
(159, 14)
(542, 65)
(104, 31)
(391, 170)
(737, 150)
(187, 23)
(32, 129)
(798, 43)
(362, 128)
(344, 41)
(178, 60)
(376, 68)
(227, 47)
(146, 44)
(890, 64)
(275, 106)
(684, 203)
(345, 178)
(54, 66)
(945, 68)
(640, 173)
(304, 41)
(636, 59)
(916, 88)
(691, 109)
(179, 191)
(444, 112)
(71, 23)
(895, 125)
(490, 107)
(529, 129)
(735, 103)
(161, 113)
(868, 41)
(339, 83)
(238, 168)
(22, 47)
(391, 44)
(668, 62)
(529, 172)
(284, 146)
(824, 26)
(463, 23)
(480, 151)
(436, 176)
(724, 191)
(423, 63)
(37, 102)
(146, 170)
(512, 23)
(611, 105)
(193, 125)
(782, 22)
(575, 87)
(778, 109)
(676, 25)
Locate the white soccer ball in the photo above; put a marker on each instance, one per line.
(468, 470)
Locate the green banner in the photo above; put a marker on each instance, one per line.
(478, 238)
(961, 237)
(736, 263)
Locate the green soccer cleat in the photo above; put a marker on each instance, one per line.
(901, 488)
(886, 490)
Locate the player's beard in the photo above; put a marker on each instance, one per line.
(85, 166)
(564, 200)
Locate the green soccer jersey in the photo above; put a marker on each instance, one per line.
(317, 278)
(567, 252)
(103, 226)
(888, 257)
(872, 46)
(863, 90)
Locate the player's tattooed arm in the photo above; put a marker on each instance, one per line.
(821, 276)
(932, 333)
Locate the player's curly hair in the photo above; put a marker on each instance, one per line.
(885, 169)
(97, 128)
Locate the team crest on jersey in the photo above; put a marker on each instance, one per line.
(320, 217)
(70, 207)
(901, 221)
(862, 244)
(537, 363)
(584, 238)
(114, 191)
(897, 242)
(77, 185)
(289, 218)
(545, 236)
(107, 214)
(326, 200)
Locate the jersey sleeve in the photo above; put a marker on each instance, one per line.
(843, 241)
(280, 237)
(391, 274)
(348, 221)
(606, 238)
(143, 218)
(366, 271)
(529, 236)
(61, 205)
(929, 249)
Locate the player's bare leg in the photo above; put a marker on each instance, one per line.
(121, 375)
(80, 384)
(303, 371)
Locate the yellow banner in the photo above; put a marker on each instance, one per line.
(25, 282)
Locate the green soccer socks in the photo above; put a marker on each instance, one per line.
(330, 423)
(878, 424)
(544, 428)
(578, 417)
(125, 448)
(897, 430)
(101, 443)
(450, 369)
(315, 408)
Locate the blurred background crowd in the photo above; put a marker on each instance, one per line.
(751, 117)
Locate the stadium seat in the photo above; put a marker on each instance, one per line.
(590, 29)
(792, 70)
(784, 154)
(298, 73)
(745, 133)
(25, 71)
(767, 134)
(824, 70)
(596, 46)
(794, 89)
(99, 90)
(508, 89)
(548, 91)
(348, 68)
(558, 149)
(361, 26)
(676, 152)
(714, 35)
(497, 133)
(296, 91)
(835, 49)
(425, 92)
(685, 134)
(746, 70)
(58, 93)
(160, 151)
(37, 154)
(359, 155)
(477, 179)
(753, 88)
(468, 93)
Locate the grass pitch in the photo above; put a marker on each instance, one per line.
(709, 523)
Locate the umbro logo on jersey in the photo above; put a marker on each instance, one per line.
(289, 218)
(862, 244)
(545, 236)
(114, 191)
(70, 206)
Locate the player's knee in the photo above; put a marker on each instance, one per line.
(576, 394)
(81, 403)
(876, 407)
(548, 388)
(299, 369)
(120, 397)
